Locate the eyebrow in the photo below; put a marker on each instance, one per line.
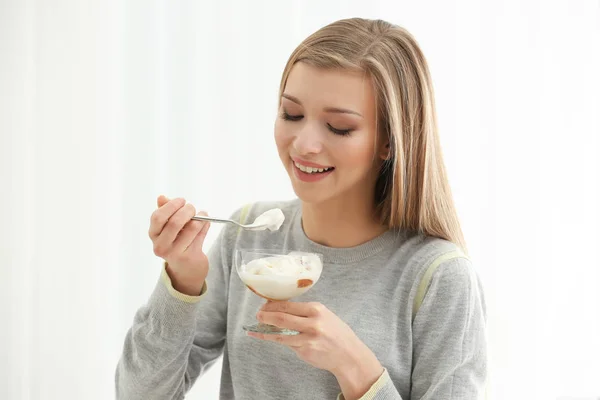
(336, 110)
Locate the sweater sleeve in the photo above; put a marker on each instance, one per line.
(449, 339)
(383, 388)
(175, 338)
(449, 342)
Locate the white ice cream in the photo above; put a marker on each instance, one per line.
(273, 219)
(282, 277)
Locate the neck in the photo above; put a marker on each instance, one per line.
(341, 222)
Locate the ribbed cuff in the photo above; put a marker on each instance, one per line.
(378, 387)
(178, 295)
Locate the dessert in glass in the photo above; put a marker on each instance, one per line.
(277, 276)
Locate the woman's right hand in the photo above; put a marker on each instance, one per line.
(178, 240)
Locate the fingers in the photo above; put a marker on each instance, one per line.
(295, 308)
(161, 201)
(190, 233)
(198, 241)
(176, 223)
(162, 215)
(284, 320)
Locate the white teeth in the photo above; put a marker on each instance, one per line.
(310, 170)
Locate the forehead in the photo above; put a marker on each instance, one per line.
(331, 87)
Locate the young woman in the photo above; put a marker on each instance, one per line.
(398, 312)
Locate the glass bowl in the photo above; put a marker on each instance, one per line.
(277, 276)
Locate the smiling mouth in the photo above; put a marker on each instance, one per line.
(312, 170)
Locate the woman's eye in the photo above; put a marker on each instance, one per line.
(342, 132)
(289, 117)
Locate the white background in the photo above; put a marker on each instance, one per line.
(106, 104)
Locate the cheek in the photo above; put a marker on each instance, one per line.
(357, 151)
(281, 138)
(279, 134)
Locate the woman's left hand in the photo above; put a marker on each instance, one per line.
(325, 341)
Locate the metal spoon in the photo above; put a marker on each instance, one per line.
(249, 227)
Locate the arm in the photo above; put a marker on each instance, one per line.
(449, 339)
(449, 344)
(175, 337)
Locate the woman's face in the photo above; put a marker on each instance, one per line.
(326, 136)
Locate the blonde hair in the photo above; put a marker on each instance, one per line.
(412, 191)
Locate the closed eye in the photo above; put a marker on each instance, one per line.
(341, 132)
(289, 117)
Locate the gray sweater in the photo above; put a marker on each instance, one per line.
(414, 300)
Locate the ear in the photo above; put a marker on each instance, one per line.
(385, 151)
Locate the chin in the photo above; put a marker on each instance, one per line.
(311, 194)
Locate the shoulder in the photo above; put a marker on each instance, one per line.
(441, 269)
(430, 259)
(420, 251)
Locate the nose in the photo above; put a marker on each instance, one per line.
(308, 140)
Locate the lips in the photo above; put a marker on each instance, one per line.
(311, 170)
(310, 174)
(309, 166)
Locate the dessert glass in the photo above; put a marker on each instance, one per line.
(277, 276)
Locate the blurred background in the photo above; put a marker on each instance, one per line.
(104, 105)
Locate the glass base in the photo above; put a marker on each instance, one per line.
(269, 329)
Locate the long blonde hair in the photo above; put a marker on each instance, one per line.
(412, 191)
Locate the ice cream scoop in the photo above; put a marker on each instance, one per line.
(271, 220)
